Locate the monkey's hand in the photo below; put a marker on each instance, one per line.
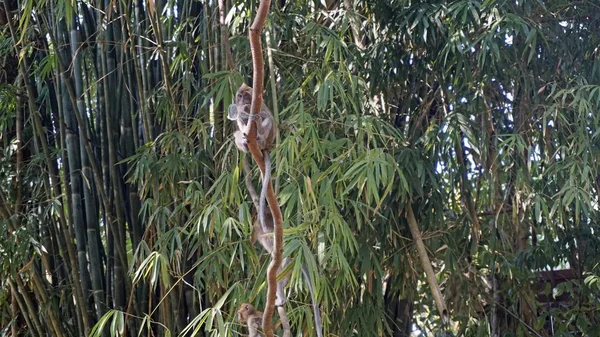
(258, 121)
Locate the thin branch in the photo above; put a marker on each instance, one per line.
(225, 36)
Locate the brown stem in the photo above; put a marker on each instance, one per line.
(257, 89)
(28, 310)
(426, 263)
(15, 313)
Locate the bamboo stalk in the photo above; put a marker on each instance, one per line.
(466, 190)
(88, 149)
(74, 148)
(42, 294)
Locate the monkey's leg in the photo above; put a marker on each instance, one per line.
(281, 299)
(285, 322)
(263, 191)
(248, 181)
(318, 324)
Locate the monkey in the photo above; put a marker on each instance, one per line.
(240, 112)
(248, 314)
(266, 240)
(265, 136)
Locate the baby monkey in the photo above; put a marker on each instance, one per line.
(249, 315)
(265, 136)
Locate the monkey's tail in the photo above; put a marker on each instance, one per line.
(263, 191)
(317, 313)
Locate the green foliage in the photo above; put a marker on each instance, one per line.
(124, 212)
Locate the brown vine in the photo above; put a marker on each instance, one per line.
(257, 89)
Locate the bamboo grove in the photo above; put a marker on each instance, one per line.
(122, 204)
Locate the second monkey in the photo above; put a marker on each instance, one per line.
(266, 240)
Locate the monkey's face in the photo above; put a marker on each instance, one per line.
(245, 310)
(243, 98)
(241, 108)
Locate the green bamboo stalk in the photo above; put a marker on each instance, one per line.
(426, 264)
(101, 100)
(127, 148)
(18, 182)
(137, 51)
(77, 219)
(108, 209)
(91, 207)
(112, 109)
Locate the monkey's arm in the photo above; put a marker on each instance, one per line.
(240, 141)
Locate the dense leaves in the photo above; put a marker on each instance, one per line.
(124, 211)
